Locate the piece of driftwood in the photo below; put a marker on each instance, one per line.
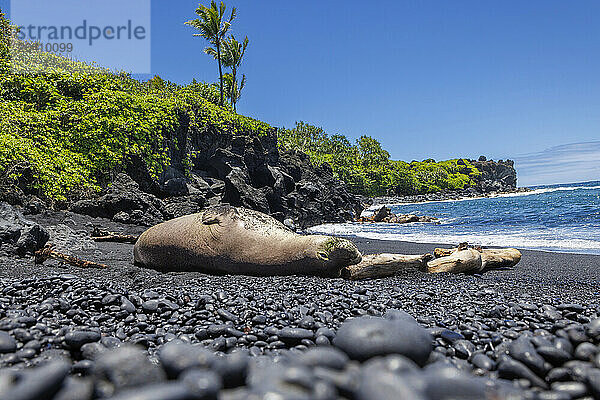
(490, 258)
(100, 235)
(375, 266)
(500, 258)
(461, 260)
(48, 252)
(439, 252)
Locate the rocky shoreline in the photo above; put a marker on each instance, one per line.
(67, 332)
(453, 195)
(214, 168)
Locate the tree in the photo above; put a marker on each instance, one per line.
(370, 152)
(213, 28)
(233, 90)
(233, 53)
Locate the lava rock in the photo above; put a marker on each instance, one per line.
(363, 338)
(7, 343)
(124, 367)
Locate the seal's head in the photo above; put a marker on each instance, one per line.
(335, 253)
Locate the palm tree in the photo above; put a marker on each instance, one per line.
(213, 28)
(232, 89)
(233, 53)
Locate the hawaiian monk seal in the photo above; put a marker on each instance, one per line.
(232, 240)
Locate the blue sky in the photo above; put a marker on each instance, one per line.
(429, 79)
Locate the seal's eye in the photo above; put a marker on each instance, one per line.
(322, 255)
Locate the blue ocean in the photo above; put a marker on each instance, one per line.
(564, 218)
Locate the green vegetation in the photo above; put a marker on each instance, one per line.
(367, 168)
(71, 125)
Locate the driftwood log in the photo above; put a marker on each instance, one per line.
(48, 252)
(500, 258)
(99, 235)
(375, 266)
(490, 258)
(462, 260)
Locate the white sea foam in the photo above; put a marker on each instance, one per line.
(549, 190)
(521, 240)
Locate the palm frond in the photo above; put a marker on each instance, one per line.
(242, 84)
(211, 52)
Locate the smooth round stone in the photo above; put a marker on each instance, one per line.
(553, 355)
(558, 375)
(553, 396)
(484, 362)
(322, 341)
(395, 363)
(578, 369)
(25, 353)
(150, 306)
(324, 331)
(176, 357)
(593, 381)
(463, 348)
(125, 367)
(522, 350)
(76, 339)
(7, 343)
(90, 351)
(157, 391)
(563, 344)
(512, 369)
(127, 305)
(328, 357)
(445, 382)
(33, 344)
(283, 380)
(451, 336)
(377, 385)
(399, 315)
(39, 383)
(573, 389)
(295, 334)
(232, 369)
(227, 315)
(83, 367)
(364, 338)
(307, 322)
(202, 383)
(110, 342)
(585, 351)
(259, 320)
(593, 329)
(76, 389)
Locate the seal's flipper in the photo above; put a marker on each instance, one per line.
(216, 215)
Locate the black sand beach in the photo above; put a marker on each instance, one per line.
(531, 328)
